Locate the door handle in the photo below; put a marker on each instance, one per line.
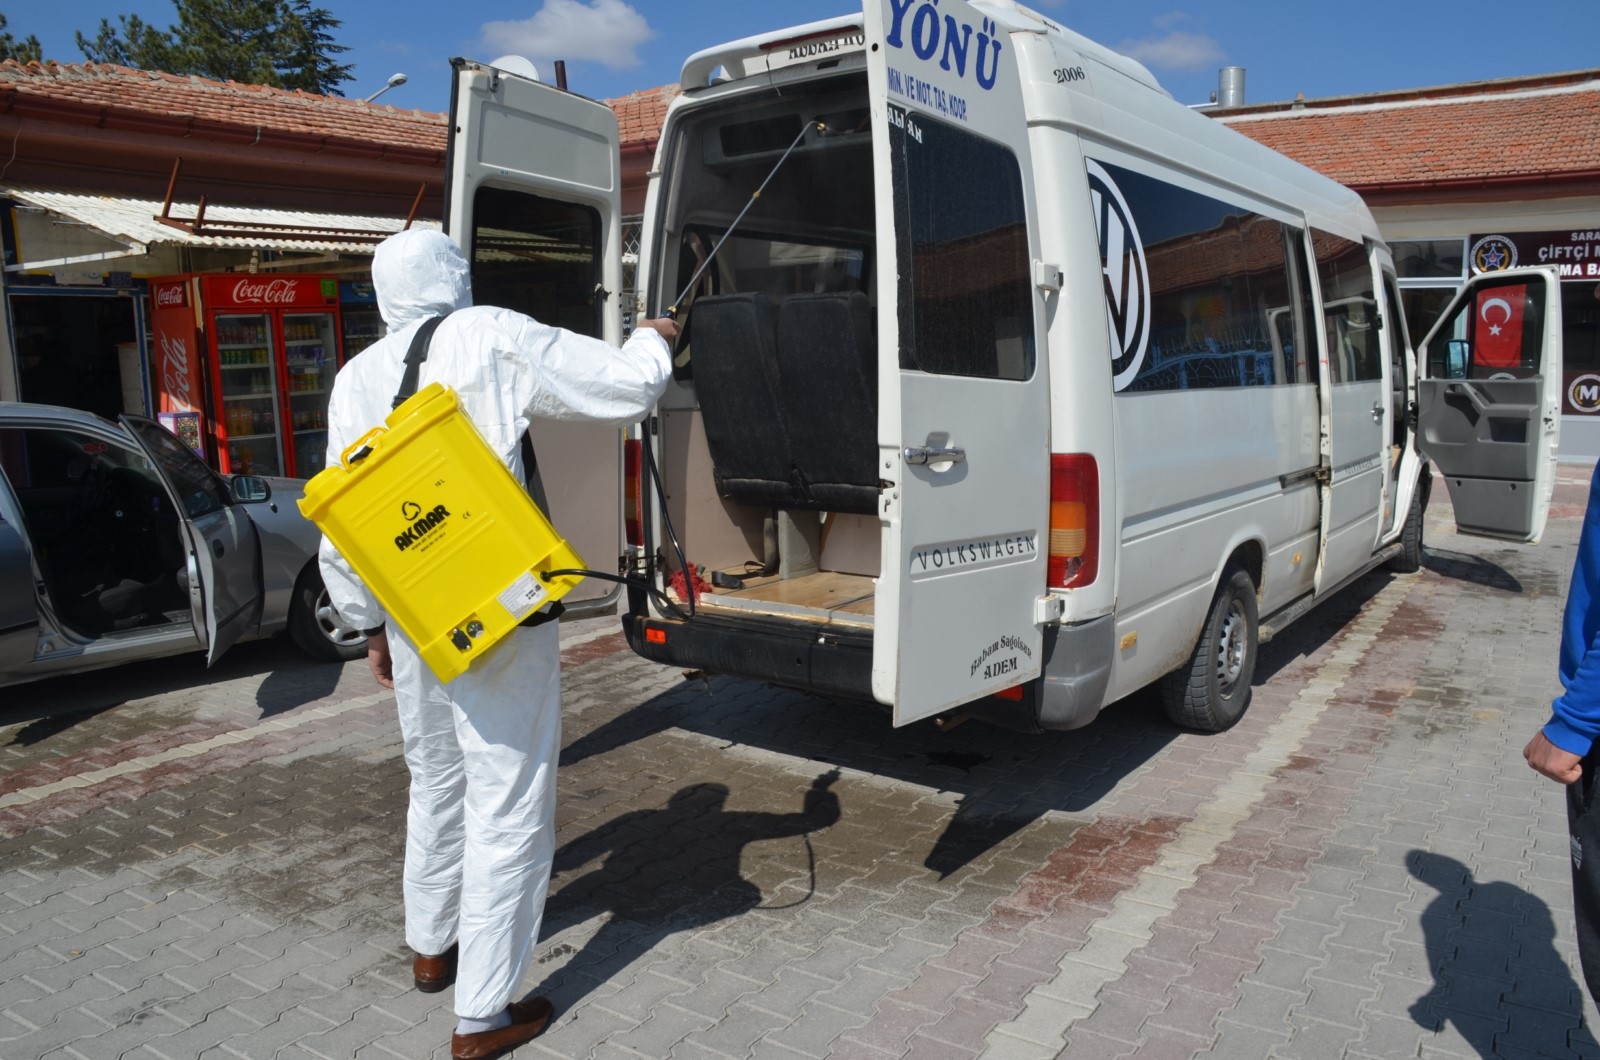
(1377, 413)
(933, 454)
(217, 549)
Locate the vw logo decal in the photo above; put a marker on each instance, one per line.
(1127, 276)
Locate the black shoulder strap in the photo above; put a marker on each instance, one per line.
(414, 358)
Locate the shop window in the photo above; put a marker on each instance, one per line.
(1429, 259)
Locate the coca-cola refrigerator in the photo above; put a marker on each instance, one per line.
(255, 356)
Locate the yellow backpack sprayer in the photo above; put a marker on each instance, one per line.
(438, 528)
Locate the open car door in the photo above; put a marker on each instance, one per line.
(19, 609)
(534, 200)
(963, 422)
(1489, 401)
(224, 561)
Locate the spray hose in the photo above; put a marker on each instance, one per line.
(666, 603)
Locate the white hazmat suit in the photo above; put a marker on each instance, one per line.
(482, 749)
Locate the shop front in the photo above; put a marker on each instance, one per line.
(80, 347)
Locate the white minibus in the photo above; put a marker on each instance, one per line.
(1009, 385)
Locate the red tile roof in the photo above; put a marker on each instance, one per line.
(96, 92)
(210, 107)
(1520, 129)
(641, 114)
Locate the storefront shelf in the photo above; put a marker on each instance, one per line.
(258, 365)
(248, 437)
(312, 430)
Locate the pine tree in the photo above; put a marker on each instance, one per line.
(282, 43)
(24, 51)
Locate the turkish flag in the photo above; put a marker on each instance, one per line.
(1497, 327)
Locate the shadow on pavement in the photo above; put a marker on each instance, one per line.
(667, 870)
(1490, 949)
(1006, 780)
(56, 704)
(1468, 568)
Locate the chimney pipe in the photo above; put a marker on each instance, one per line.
(1230, 86)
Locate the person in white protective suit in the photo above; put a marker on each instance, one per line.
(482, 749)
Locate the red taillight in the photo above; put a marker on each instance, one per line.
(631, 523)
(655, 635)
(1014, 693)
(1074, 520)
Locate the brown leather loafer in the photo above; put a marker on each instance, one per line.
(433, 974)
(528, 1021)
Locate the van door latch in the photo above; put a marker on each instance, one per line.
(1046, 277)
(933, 454)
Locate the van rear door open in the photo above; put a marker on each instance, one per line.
(1489, 401)
(534, 201)
(963, 428)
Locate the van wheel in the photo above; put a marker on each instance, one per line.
(315, 627)
(1211, 692)
(1409, 561)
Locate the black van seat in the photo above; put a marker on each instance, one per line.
(829, 377)
(736, 379)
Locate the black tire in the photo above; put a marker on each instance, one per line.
(1210, 692)
(312, 625)
(1409, 561)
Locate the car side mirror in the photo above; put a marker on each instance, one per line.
(251, 489)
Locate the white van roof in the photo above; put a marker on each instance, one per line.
(1151, 123)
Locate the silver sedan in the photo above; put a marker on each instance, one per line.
(118, 543)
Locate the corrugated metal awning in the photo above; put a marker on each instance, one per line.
(136, 224)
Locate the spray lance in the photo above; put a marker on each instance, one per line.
(672, 310)
(649, 452)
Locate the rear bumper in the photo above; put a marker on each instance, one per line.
(820, 661)
(1077, 664)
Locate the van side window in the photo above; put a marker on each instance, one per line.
(1349, 308)
(1496, 334)
(966, 297)
(1199, 292)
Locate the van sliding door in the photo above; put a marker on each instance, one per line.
(534, 201)
(1357, 402)
(963, 427)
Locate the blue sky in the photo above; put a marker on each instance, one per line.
(613, 47)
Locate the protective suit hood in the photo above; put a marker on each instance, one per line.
(419, 273)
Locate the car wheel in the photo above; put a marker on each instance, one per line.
(315, 627)
(1210, 693)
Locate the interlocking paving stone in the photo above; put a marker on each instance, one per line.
(272, 865)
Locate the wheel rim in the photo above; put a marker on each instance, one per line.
(1232, 641)
(329, 625)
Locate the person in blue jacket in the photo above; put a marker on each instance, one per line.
(1564, 749)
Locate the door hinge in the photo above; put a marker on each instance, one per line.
(1324, 475)
(1048, 609)
(1046, 277)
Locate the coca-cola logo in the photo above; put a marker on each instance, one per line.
(175, 371)
(170, 294)
(264, 292)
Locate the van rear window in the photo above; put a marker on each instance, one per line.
(966, 302)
